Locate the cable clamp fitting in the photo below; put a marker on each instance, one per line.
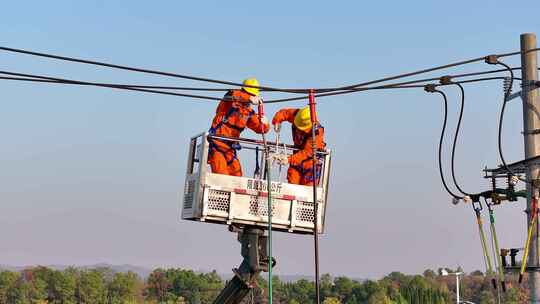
(531, 132)
(491, 59)
(477, 206)
(430, 88)
(447, 79)
(531, 84)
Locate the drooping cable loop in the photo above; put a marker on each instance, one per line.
(432, 89)
(454, 144)
(508, 90)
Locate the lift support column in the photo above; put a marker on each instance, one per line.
(531, 124)
(255, 260)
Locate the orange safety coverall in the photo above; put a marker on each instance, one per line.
(233, 115)
(301, 163)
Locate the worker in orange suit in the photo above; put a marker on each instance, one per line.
(301, 162)
(233, 115)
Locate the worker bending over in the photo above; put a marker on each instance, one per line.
(301, 162)
(233, 115)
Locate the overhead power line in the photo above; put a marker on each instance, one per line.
(122, 85)
(54, 80)
(141, 70)
(155, 89)
(400, 85)
(266, 88)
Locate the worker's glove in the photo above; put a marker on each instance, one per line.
(283, 159)
(264, 121)
(256, 100)
(279, 158)
(277, 127)
(514, 180)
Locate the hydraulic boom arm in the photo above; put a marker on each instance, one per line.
(255, 260)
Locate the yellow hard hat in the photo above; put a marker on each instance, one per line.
(302, 120)
(251, 82)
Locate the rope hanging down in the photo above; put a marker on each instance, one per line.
(314, 149)
(267, 170)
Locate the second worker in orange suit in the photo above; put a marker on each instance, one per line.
(301, 162)
(233, 115)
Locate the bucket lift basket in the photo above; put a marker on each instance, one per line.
(228, 200)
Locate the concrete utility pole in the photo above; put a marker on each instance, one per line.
(531, 123)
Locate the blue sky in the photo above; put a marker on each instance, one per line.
(94, 175)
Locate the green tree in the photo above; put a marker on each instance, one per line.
(8, 280)
(158, 286)
(302, 291)
(379, 297)
(343, 286)
(125, 288)
(327, 286)
(486, 298)
(428, 273)
(331, 300)
(63, 287)
(91, 288)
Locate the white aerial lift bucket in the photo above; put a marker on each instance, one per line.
(242, 201)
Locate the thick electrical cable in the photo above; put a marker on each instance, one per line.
(266, 88)
(441, 67)
(148, 71)
(138, 86)
(441, 140)
(133, 87)
(517, 53)
(501, 119)
(112, 86)
(398, 85)
(456, 134)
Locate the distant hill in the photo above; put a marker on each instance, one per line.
(140, 271)
(287, 278)
(145, 272)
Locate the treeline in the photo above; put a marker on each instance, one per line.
(41, 285)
